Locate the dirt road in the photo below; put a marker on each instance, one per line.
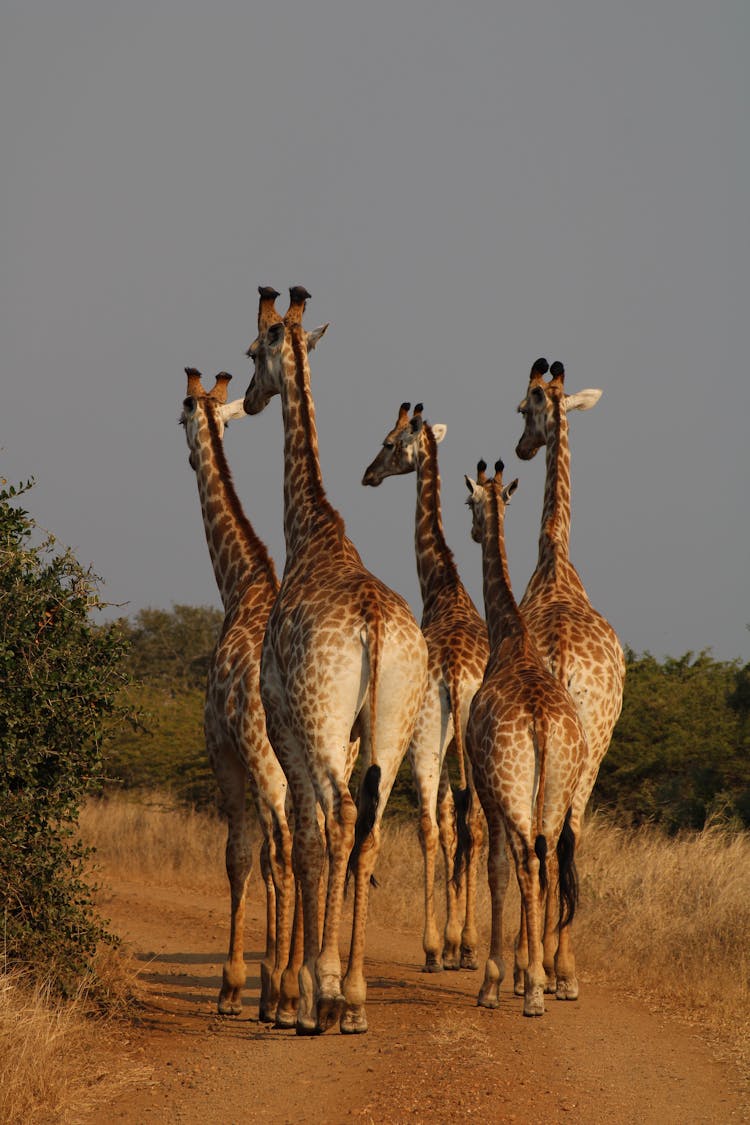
(431, 1055)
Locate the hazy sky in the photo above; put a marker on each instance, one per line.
(462, 188)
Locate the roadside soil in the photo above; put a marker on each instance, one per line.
(431, 1055)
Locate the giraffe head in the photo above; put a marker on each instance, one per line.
(538, 407)
(482, 492)
(274, 335)
(398, 454)
(202, 409)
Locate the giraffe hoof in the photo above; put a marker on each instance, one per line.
(469, 960)
(227, 1007)
(286, 1017)
(267, 1015)
(330, 1010)
(306, 1029)
(533, 1003)
(567, 989)
(432, 965)
(353, 1022)
(488, 1000)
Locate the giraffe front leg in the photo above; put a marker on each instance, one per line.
(230, 775)
(469, 936)
(551, 919)
(307, 850)
(269, 987)
(497, 878)
(520, 956)
(453, 894)
(330, 1000)
(425, 768)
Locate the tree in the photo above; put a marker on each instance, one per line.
(61, 674)
(679, 751)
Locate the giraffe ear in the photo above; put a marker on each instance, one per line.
(276, 334)
(582, 400)
(508, 490)
(470, 484)
(439, 431)
(315, 335)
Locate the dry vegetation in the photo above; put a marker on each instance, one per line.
(55, 1057)
(668, 920)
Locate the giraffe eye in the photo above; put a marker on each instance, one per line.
(189, 404)
(389, 445)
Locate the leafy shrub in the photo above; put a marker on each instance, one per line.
(679, 756)
(61, 675)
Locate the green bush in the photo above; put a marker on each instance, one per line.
(679, 754)
(61, 675)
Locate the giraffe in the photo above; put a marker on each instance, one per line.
(342, 657)
(234, 720)
(458, 649)
(527, 747)
(578, 645)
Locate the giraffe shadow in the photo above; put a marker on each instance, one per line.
(188, 987)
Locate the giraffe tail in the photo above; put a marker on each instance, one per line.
(540, 843)
(464, 838)
(369, 794)
(369, 790)
(462, 797)
(566, 848)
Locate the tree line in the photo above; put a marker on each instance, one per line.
(680, 754)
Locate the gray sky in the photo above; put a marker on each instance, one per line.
(462, 188)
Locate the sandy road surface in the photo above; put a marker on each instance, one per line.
(431, 1055)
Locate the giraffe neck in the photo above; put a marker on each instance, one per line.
(436, 568)
(501, 611)
(554, 539)
(237, 554)
(308, 514)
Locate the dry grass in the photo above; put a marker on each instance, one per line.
(55, 1058)
(668, 920)
(154, 840)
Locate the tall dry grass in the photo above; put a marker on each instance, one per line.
(55, 1059)
(666, 919)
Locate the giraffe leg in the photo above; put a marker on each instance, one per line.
(551, 918)
(469, 937)
(527, 871)
(232, 780)
(286, 1012)
(521, 956)
(276, 864)
(453, 894)
(340, 820)
(269, 996)
(497, 877)
(354, 1019)
(425, 771)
